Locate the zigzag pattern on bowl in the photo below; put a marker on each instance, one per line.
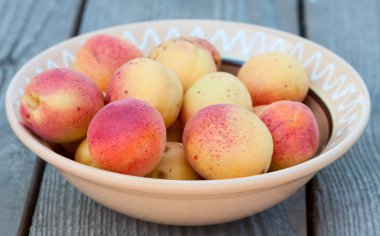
(344, 97)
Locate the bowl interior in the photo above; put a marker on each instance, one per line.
(338, 96)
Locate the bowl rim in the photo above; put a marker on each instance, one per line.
(190, 187)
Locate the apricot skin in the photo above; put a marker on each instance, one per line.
(148, 80)
(214, 88)
(295, 133)
(274, 76)
(127, 136)
(227, 141)
(58, 105)
(101, 55)
(185, 58)
(174, 165)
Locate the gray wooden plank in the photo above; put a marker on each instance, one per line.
(26, 28)
(62, 210)
(347, 193)
(275, 13)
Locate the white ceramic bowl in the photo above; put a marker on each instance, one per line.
(345, 104)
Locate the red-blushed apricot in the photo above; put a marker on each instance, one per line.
(295, 133)
(58, 105)
(214, 88)
(82, 154)
(174, 165)
(150, 81)
(274, 76)
(101, 55)
(186, 59)
(227, 141)
(127, 136)
(203, 43)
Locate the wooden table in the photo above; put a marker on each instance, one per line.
(343, 199)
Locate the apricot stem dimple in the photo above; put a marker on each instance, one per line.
(32, 101)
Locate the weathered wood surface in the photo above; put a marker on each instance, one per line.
(26, 28)
(276, 13)
(62, 210)
(347, 193)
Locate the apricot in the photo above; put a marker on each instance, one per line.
(82, 154)
(148, 80)
(127, 136)
(101, 55)
(227, 141)
(174, 165)
(203, 43)
(214, 88)
(274, 76)
(58, 105)
(185, 58)
(295, 133)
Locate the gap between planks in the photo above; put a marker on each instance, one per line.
(311, 185)
(39, 167)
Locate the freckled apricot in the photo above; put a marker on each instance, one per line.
(227, 141)
(274, 76)
(214, 88)
(294, 130)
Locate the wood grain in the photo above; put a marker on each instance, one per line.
(347, 193)
(26, 28)
(276, 13)
(62, 210)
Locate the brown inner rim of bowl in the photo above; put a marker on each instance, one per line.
(315, 103)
